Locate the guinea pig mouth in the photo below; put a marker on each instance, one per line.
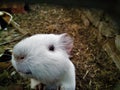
(28, 72)
(25, 72)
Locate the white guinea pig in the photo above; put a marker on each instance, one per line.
(45, 59)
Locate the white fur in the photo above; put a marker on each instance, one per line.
(48, 67)
(34, 83)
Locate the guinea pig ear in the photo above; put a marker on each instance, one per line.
(66, 42)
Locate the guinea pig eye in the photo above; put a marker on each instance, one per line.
(51, 48)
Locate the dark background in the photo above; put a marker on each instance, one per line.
(112, 7)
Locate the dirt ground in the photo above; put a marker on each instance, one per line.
(95, 70)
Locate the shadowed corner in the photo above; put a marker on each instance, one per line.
(6, 56)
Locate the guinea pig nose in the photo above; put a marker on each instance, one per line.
(19, 58)
(22, 57)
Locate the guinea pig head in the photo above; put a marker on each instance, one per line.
(35, 56)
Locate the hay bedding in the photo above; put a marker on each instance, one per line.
(94, 69)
